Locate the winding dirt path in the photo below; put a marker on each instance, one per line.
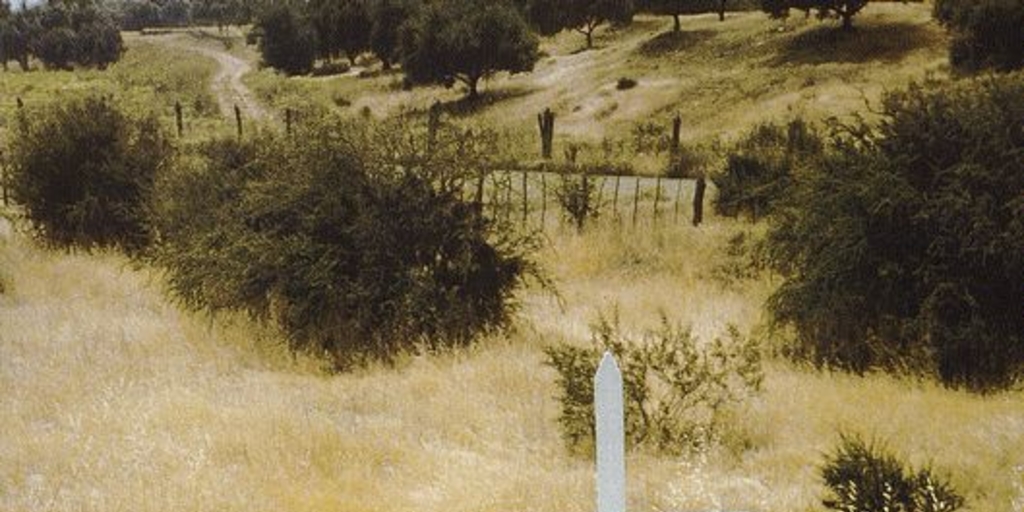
(227, 83)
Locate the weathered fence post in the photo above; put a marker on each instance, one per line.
(546, 121)
(679, 197)
(20, 103)
(3, 177)
(238, 120)
(698, 201)
(288, 120)
(636, 199)
(610, 444)
(543, 200)
(615, 200)
(657, 196)
(433, 124)
(677, 125)
(526, 198)
(179, 121)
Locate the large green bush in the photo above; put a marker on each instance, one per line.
(357, 243)
(288, 41)
(676, 389)
(906, 246)
(83, 169)
(986, 34)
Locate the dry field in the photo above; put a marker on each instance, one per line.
(113, 398)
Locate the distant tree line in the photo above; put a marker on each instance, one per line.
(61, 34)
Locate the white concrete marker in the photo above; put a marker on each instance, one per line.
(611, 437)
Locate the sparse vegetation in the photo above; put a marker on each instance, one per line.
(676, 389)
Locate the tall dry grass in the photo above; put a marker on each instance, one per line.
(114, 399)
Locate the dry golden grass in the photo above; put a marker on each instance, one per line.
(113, 399)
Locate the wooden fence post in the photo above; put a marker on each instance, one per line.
(288, 120)
(636, 199)
(698, 201)
(433, 124)
(19, 102)
(526, 199)
(546, 121)
(179, 120)
(543, 199)
(657, 196)
(679, 197)
(615, 200)
(238, 120)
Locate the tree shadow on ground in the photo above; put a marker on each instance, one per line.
(465, 106)
(889, 43)
(671, 42)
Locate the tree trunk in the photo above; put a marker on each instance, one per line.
(677, 27)
(721, 10)
(590, 38)
(847, 19)
(472, 82)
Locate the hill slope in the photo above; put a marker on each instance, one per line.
(721, 77)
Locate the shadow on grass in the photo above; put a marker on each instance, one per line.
(889, 42)
(466, 107)
(671, 42)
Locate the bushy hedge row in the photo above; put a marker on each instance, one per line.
(354, 252)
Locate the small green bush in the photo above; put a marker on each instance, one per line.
(576, 194)
(357, 244)
(83, 170)
(625, 84)
(864, 477)
(676, 389)
(760, 167)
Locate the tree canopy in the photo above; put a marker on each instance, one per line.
(677, 8)
(467, 40)
(842, 9)
(584, 16)
(289, 42)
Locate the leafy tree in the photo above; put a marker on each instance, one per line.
(62, 34)
(388, 17)
(15, 36)
(987, 34)
(842, 9)
(906, 246)
(677, 8)
(583, 16)
(288, 42)
(466, 40)
(83, 170)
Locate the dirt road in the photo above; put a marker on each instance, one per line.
(227, 83)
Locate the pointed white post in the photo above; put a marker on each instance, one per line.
(611, 437)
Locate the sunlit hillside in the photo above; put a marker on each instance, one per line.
(720, 77)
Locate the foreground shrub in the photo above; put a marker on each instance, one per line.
(906, 246)
(577, 195)
(865, 478)
(676, 389)
(986, 34)
(355, 250)
(760, 167)
(83, 170)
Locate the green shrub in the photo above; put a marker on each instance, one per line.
(986, 34)
(83, 170)
(905, 247)
(865, 478)
(287, 40)
(760, 167)
(676, 389)
(355, 243)
(576, 194)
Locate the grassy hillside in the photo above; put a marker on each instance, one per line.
(720, 77)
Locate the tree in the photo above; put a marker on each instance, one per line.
(905, 247)
(842, 9)
(289, 42)
(583, 16)
(15, 36)
(387, 17)
(466, 40)
(987, 34)
(677, 8)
